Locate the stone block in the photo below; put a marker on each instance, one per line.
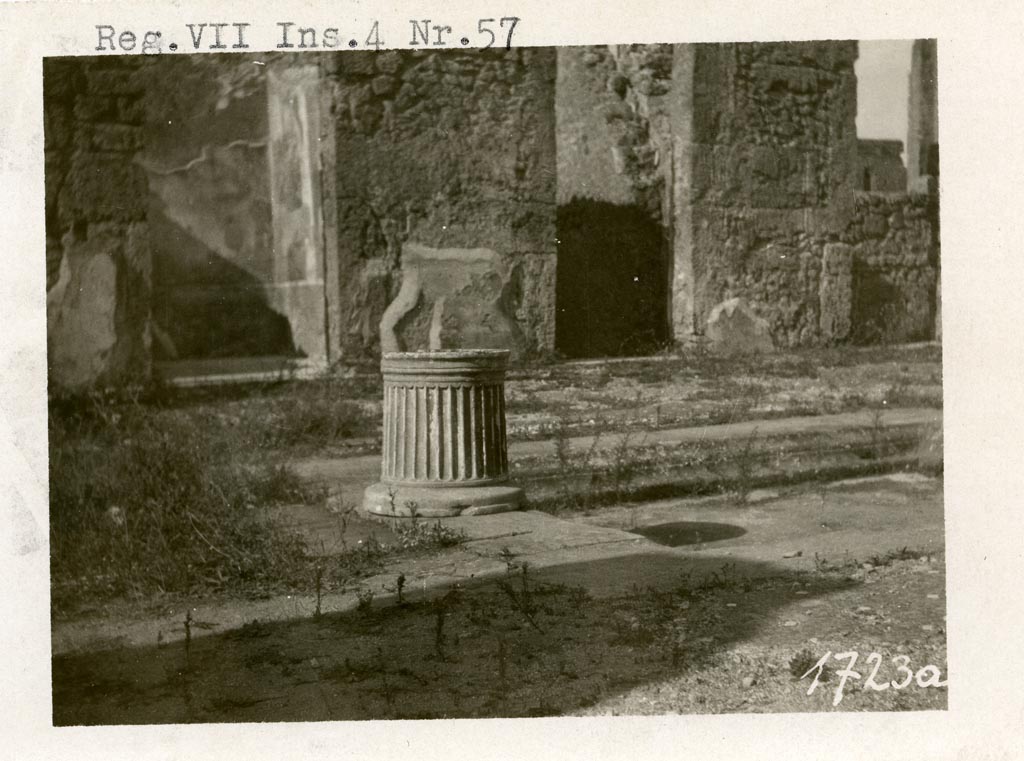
(384, 84)
(734, 328)
(875, 226)
(95, 108)
(116, 137)
(836, 292)
(452, 298)
(120, 80)
(389, 62)
(103, 187)
(131, 110)
(81, 319)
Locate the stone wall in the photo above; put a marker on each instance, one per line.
(665, 180)
(450, 151)
(923, 121)
(880, 166)
(894, 250)
(764, 150)
(297, 290)
(593, 126)
(97, 239)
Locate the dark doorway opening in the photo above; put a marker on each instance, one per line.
(612, 285)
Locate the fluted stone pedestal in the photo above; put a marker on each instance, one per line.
(444, 449)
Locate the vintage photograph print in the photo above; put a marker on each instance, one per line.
(505, 382)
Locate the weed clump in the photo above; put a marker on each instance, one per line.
(370, 555)
(143, 504)
(422, 536)
(803, 662)
(279, 484)
(158, 491)
(573, 465)
(311, 416)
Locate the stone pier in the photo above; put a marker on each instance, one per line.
(444, 447)
(923, 121)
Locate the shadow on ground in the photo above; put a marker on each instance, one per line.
(534, 643)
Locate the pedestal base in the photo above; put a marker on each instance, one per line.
(440, 501)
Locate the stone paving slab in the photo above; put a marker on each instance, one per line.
(523, 531)
(853, 518)
(543, 541)
(532, 531)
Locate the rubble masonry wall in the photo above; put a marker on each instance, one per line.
(614, 243)
(765, 179)
(880, 166)
(894, 249)
(98, 268)
(447, 150)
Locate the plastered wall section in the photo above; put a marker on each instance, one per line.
(205, 156)
(297, 286)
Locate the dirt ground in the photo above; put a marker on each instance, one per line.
(644, 394)
(728, 622)
(712, 645)
(570, 614)
(689, 391)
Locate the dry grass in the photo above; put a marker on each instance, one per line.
(151, 495)
(144, 504)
